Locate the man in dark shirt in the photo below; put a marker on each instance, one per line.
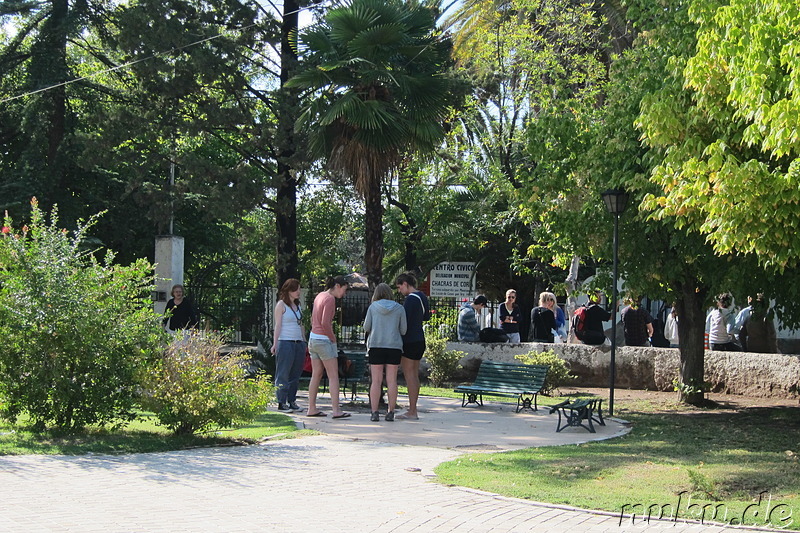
(637, 324)
(595, 316)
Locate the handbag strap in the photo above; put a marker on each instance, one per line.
(420, 302)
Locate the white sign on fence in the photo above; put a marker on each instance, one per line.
(453, 280)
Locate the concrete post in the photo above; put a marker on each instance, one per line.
(169, 268)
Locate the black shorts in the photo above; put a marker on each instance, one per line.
(414, 350)
(384, 356)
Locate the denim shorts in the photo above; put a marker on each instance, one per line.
(322, 349)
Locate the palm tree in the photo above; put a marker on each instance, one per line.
(378, 76)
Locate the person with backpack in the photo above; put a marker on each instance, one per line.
(543, 319)
(587, 322)
(418, 310)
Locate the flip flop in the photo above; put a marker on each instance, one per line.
(319, 413)
(343, 415)
(406, 416)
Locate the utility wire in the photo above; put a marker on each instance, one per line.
(131, 63)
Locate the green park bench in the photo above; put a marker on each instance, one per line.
(348, 382)
(356, 375)
(508, 380)
(573, 413)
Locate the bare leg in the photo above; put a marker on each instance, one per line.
(375, 386)
(391, 384)
(313, 385)
(332, 368)
(411, 373)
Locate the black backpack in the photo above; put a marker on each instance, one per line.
(493, 335)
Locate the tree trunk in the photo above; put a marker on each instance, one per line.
(373, 238)
(409, 229)
(49, 69)
(286, 194)
(691, 329)
(57, 34)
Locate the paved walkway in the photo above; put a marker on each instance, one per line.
(444, 423)
(330, 483)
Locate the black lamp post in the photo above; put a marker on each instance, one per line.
(616, 201)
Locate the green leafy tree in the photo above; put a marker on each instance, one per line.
(592, 148)
(378, 70)
(37, 131)
(76, 331)
(169, 124)
(329, 234)
(177, 122)
(533, 62)
(731, 140)
(600, 148)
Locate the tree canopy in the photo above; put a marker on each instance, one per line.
(732, 143)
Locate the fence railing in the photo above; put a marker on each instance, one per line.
(444, 316)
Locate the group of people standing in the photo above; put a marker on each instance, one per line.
(548, 322)
(753, 326)
(394, 338)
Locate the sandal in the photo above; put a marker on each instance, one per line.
(406, 416)
(343, 415)
(318, 413)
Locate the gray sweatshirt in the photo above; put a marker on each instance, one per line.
(385, 324)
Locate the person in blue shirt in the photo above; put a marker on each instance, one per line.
(468, 328)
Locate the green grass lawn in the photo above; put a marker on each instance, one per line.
(699, 462)
(140, 436)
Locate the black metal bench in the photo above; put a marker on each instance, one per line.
(573, 413)
(509, 380)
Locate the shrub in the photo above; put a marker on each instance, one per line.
(193, 388)
(557, 375)
(443, 363)
(75, 331)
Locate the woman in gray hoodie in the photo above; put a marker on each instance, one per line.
(385, 326)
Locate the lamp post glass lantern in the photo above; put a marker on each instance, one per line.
(616, 201)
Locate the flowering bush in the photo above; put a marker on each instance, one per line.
(75, 331)
(192, 388)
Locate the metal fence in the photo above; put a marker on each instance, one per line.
(352, 310)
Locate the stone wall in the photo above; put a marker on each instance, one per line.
(750, 374)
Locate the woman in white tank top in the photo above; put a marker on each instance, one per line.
(289, 345)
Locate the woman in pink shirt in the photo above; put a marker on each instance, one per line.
(322, 347)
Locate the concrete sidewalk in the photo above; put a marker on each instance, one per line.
(317, 484)
(443, 423)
